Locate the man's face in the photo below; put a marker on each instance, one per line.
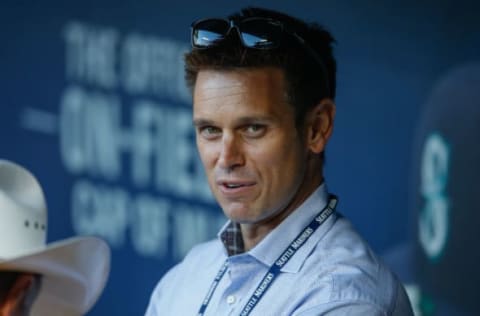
(253, 155)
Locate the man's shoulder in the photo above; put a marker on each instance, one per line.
(205, 248)
(204, 253)
(355, 273)
(200, 256)
(342, 244)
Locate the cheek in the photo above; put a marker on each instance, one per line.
(208, 162)
(207, 155)
(279, 163)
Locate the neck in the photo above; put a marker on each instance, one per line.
(253, 233)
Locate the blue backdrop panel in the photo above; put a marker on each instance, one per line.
(93, 102)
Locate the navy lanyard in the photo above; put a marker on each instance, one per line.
(282, 260)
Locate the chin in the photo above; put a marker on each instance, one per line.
(238, 214)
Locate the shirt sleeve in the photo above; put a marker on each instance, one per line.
(151, 311)
(161, 289)
(153, 308)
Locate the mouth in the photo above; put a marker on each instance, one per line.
(232, 187)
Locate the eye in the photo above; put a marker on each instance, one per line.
(255, 130)
(209, 132)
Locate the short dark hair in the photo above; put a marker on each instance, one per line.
(304, 76)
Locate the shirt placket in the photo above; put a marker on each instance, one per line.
(236, 284)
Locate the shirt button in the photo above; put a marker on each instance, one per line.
(231, 299)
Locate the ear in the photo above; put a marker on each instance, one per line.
(319, 124)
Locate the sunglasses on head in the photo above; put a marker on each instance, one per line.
(255, 32)
(259, 33)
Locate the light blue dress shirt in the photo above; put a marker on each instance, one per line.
(334, 273)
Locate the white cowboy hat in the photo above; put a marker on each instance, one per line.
(74, 270)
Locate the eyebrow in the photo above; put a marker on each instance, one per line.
(202, 122)
(240, 121)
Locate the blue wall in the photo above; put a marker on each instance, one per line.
(93, 102)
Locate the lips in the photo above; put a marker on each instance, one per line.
(235, 187)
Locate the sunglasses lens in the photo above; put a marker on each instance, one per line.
(208, 32)
(260, 33)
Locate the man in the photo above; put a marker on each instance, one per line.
(263, 89)
(60, 279)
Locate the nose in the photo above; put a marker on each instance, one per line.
(231, 154)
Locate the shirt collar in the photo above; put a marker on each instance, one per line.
(277, 241)
(231, 237)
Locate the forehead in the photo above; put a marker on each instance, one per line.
(256, 89)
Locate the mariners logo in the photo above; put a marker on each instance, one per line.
(434, 217)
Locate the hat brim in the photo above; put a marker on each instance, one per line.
(74, 271)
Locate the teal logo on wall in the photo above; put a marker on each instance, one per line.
(434, 216)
